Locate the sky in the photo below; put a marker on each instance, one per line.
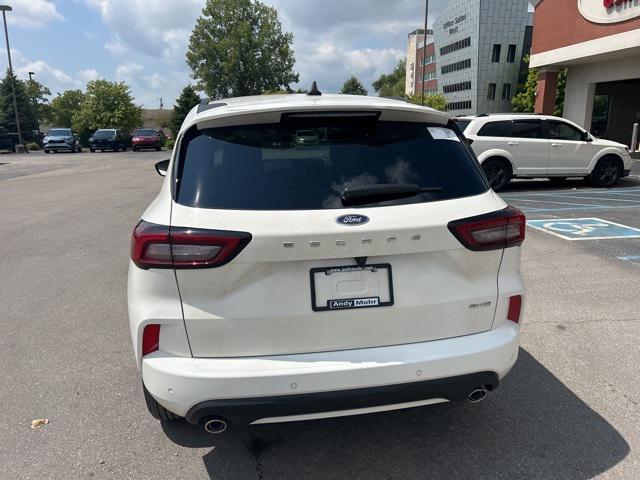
(67, 43)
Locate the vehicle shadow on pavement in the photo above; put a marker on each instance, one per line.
(525, 185)
(532, 426)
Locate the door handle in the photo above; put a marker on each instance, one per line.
(513, 143)
(556, 144)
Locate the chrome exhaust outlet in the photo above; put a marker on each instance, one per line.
(477, 395)
(215, 425)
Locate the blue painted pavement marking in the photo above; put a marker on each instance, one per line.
(584, 228)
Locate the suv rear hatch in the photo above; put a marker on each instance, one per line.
(283, 200)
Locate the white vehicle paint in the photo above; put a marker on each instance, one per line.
(532, 146)
(257, 333)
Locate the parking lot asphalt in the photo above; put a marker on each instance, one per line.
(570, 409)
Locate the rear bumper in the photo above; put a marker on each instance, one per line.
(247, 390)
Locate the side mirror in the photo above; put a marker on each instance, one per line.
(586, 137)
(162, 168)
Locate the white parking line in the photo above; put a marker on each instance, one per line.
(605, 199)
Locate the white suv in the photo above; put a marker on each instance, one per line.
(275, 280)
(528, 146)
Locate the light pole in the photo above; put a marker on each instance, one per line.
(35, 103)
(5, 9)
(424, 50)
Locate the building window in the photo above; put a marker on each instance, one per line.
(452, 47)
(491, 94)
(454, 67)
(456, 87)
(429, 76)
(495, 56)
(511, 54)
(464, 105)
(506, 91)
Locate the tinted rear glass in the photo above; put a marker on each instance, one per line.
(462, 124)
(516, 128)
(289, 166)
(495, 129)
(104, 134)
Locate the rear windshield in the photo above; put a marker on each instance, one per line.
(289, 166)
(104, 134)
(145, 133)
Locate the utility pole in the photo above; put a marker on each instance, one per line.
(424, 50)
(35, 104)
(161, 104)
(5, 9)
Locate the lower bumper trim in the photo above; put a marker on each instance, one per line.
(250, 410)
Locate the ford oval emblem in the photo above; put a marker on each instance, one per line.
(352, 220)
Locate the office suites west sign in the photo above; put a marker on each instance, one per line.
(609, 11)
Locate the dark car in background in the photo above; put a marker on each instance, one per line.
(146, 138)
(61, 139)
(109, 139)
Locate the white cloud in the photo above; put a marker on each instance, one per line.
(56, 79)
(33, 13)
(332, 39)
(88, 75)
(155, 28)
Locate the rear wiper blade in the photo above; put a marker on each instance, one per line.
(383, 191)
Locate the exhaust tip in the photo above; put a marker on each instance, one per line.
(477, 395)
(215, 425)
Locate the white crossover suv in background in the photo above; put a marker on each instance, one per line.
(529, 146)
(274, 279)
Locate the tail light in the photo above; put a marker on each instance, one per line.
(159, 246)
(492, 231)
(150, 339)
(515, 307)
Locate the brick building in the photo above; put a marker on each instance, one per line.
(421, 64)
(598, 41)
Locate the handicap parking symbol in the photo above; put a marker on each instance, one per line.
(584, 228)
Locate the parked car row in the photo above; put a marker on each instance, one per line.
(65, 139)
(530, 146)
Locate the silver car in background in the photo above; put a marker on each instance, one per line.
(61, 139)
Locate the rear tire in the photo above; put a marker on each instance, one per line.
(47, 151)
(607, 172)
(92, 150)
(156, 410)
(498, 173)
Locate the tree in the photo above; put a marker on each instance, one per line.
(525, 99)
(106, 105)
(238, 48)
(393, 84)
(39, 95)
(437, 101)
(353, 86)
(562, 84)
(28, 125)
(63, 107)
(188, 99)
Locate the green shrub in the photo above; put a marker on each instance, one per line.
(33, 146)
(169, 143)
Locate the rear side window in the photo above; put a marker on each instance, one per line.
(306, 164)
(495, 129)
(526, 129)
